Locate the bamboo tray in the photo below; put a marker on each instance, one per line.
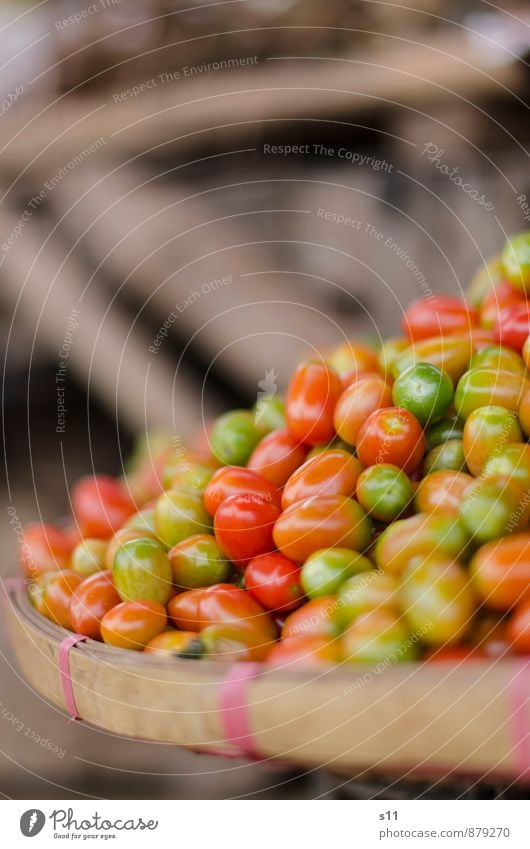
(430, 719)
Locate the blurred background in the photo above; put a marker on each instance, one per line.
(193, 196)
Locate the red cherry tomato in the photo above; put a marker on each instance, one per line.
(274, 581)
(101, 505)
(183, 610)
(56, 596)
(312, 394)
(90, 602)
(43, 548)
(391, 435)
(277, 456)
(243, 527)
(437, 315)
(501, 296)
(518, 629)
(225, 603)
(513, 325)
(310, 650)
(236, 480)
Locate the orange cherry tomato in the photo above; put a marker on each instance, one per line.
(303, 651)
(56, 596)
(500, 571)
(524, 413)
(183, 610)
(441, 492)
(43, 548)
(225, 603)
(170, 643)
(322, 522)
(333, 472)
(426, 533)
(354, 358)
(101, 504)
(90, 602)
(437, 315)
(232, 642)
(133, 624)
(277, 456)
(317, 618)
(391, 435)
(450, 353)
(518, 629)
(357, 402)
(236, 480)
(312, 394)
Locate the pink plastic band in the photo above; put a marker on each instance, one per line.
(518, 694)
(64, 670)
(234, 710)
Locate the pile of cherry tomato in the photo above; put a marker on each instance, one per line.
(380, 513)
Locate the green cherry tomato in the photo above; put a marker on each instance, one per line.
(425, 390)
(384, 491)
(141, 572)
(492, 508)
(378, 636)
(270, 413)
(144, 520)
(88, 557)
(367, 591)
(234, 437)
(198, 562)
(446, 457)
(482, 387)
(324, 571)
(515, 259)
(179, 515)
(436, 599)
(449, 427)
(498, 357)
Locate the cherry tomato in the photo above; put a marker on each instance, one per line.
(353, 357)
(357, 402)
(274, 581)
(370, 590)
(183, 610)
(234, 437)
(389, 353)
(501, 296)
(384, 491)
(483, 387)
(43, 548)
(436, 599)
(90, 602)
(234, 480)
(226, 604)
(311, 397)
(526, 352)
(269, 413)
(501, 571)
(437, 315)
(391, 435)
(56, 596)
(120, 537)
(133, 624)
(486, 430)
(141, 571)
(333, 472)
(492, 508)
(101, 504)
(497, 357)
(518, 629)
(243, 527)
(446, 457)
(305, 651)
(421, 534)
(512, 462)
(89, 556)
(425, 391)
(322, 522)
(324, 571)
(143, 520)
(451, 354)
(232, 642)
(515, 260)
(484, 280)
(449, 427)
(187, 476)
(317, 618)
(524, 413)
(171, 643)
(441, 492)
(378, 636)
(277, 456)
(198, 562)
(179, 515)
(513, 325)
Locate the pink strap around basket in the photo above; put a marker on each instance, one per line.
(519, 697)
(64, 670)
(234, 708)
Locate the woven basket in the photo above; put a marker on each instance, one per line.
(410, 719)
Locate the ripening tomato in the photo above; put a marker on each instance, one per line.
(524, 413)
(89, 556)
(384, 491)
(511, 461)
(305, 651)
(378, 636)
(243, 527)
(322, 522)
(225, 603)
(391, 349)
(317, 618)
(495, 356)
(486, 430)
(371, 590)
(501, 296)
(448, 457)
(313, 391)
(236, 480)
(451, 354)
(178, 515)
(353, 357)
(43, 548)
(357, 402)
(120, 537)
(437, 315)
(234, 437)
(274, 581)
(233, 642)
(277, 456)
(333, 472)
(441, 492)
(133, 624)
(198, 562)
(449, 427)
(492, 508)
(483, 387)
(183, 610)
(171, 643)
(501, 571)
(101, 504)
(56, 596)
(526, 352)
(421, 534)
(488, 275)
(518, 629)
(141, 571)
(515, 260)
(391, 435)
(513, 325)
(90, 602)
